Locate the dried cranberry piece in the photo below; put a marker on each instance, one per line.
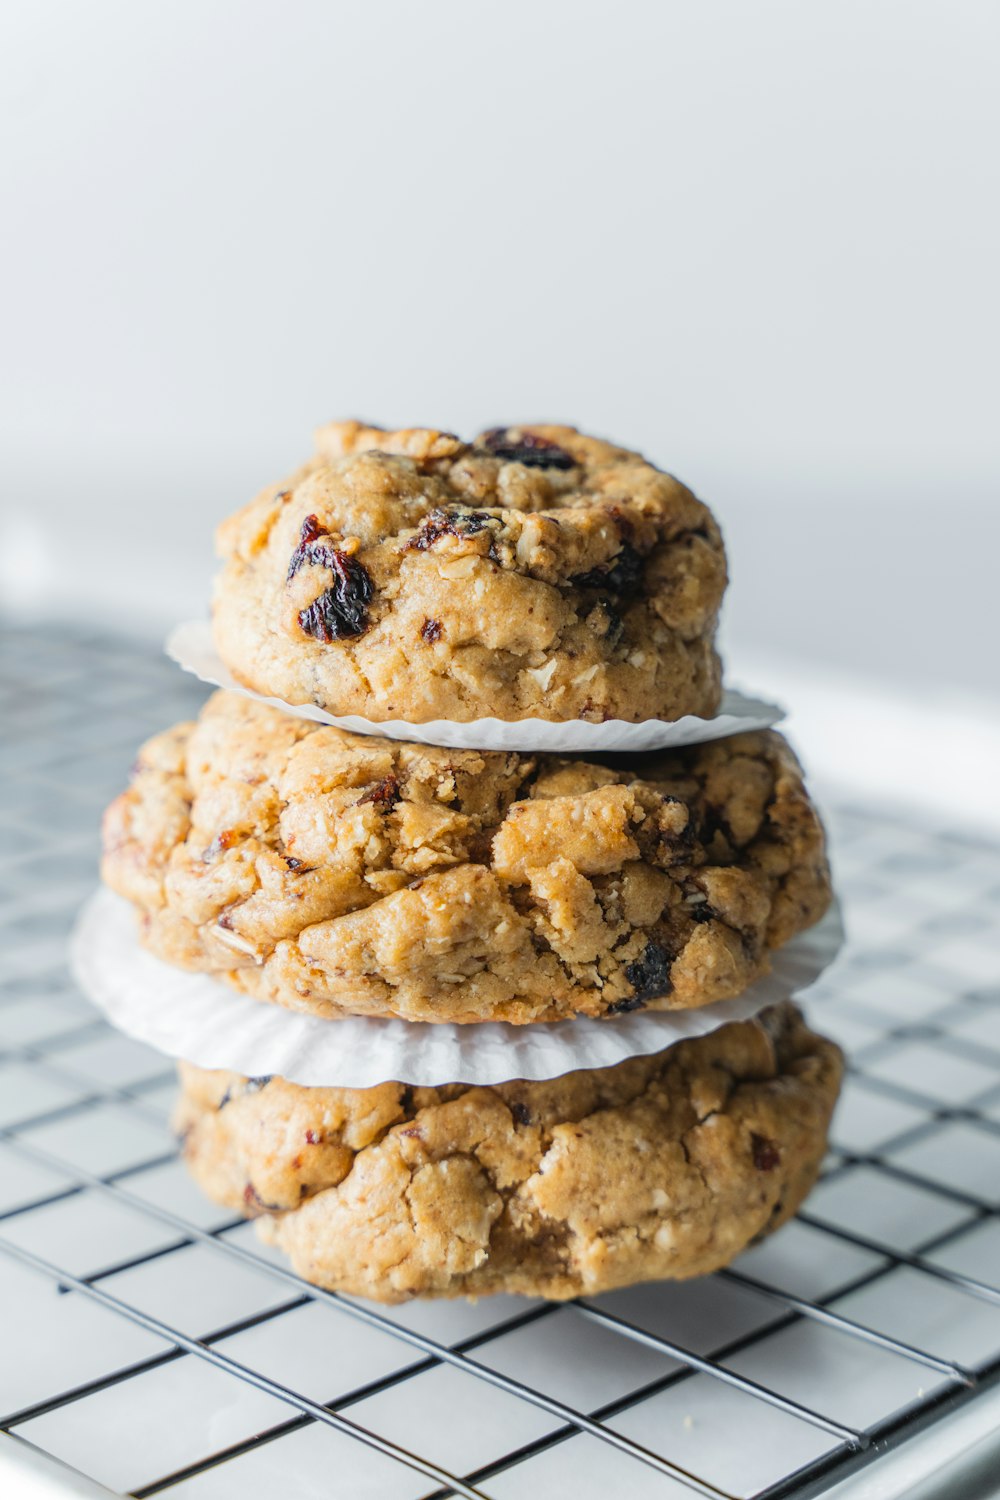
(309, 535)
(443, 522)
(766, 1155)
(649, 975)
(455, 522)
(517, 447)
(431, 631)
(621, 576)
(384, 794)
(312, 1139)
(341, 610)
(620, 1007)
(222, 841)
(296, 866)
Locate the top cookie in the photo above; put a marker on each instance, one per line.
(535, 573)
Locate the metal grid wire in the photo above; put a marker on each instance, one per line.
(150, 1342)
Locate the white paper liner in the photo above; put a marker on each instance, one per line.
(201, 1019)
(191, 646)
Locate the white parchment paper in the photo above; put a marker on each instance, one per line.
(191, 646)
(200, 1018)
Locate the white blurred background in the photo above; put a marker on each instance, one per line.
(758, 241)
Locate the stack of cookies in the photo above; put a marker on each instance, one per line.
(533, 575)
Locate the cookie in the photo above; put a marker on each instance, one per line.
(663, 1166)
(346, 874)
(535, 573)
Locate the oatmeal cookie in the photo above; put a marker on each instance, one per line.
(534, 573)
(350, 875)
(663, 1166)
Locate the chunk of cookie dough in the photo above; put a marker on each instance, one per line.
(346, 874)
(534, 573)
(663, 1166)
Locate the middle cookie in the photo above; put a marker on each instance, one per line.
(345, 874)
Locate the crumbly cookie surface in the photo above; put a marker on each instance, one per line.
(664, 1166)
(347, 874)
(535, 573)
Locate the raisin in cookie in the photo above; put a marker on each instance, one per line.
(535, 573)
(350, 875)
(663, 1166)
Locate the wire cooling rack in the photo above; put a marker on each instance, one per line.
(149, 1342)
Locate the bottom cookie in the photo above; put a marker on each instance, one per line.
(663, 1166)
